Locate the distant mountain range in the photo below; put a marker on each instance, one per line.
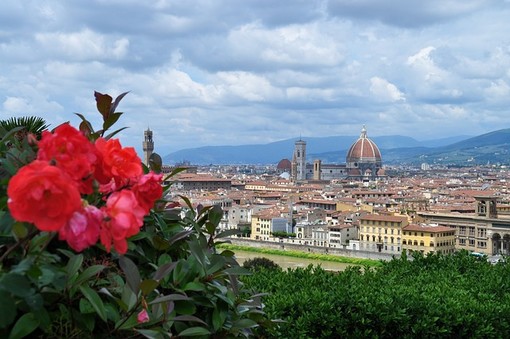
(491, 147)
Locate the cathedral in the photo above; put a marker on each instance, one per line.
(363, 161)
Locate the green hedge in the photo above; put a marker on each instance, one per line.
(438, 296)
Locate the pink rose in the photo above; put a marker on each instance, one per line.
(124, 219)
(82, 230)
(143, 316)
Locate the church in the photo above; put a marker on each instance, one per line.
(363, 161)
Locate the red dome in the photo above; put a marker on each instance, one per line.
(364, 150)
(284, 165)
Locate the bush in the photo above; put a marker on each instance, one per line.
(258, 263)
(106, 258)
(433, 296)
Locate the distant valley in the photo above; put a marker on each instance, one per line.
(491, 147)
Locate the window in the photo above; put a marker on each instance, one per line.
(404, 242)
(431, 244)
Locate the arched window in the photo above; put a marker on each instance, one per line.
(416, 243)
(404, 242)
(431, 244)
(422, 243)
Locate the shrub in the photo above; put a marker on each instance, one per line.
(258, 263)
(106, 258)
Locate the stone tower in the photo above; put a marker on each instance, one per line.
(299, 161)
(148, 146)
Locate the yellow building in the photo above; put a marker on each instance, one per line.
(381, 233)
(428, 238)
(261, 224)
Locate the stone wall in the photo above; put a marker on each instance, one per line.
(311, 249)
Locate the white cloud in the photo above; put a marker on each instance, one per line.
(83, 45)
(219, 72)
(385, 91)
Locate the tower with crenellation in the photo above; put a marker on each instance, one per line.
(148, 146)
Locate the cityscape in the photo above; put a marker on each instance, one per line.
(360, 208)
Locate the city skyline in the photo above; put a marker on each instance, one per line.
(207, 73)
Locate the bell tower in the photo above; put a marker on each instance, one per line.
(299, 161)
(148, 146)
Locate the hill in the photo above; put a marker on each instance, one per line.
(491, 147)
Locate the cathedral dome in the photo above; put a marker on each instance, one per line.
(364, 158)
(364, 150)
(284, 165)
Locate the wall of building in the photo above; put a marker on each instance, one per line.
(312, 249)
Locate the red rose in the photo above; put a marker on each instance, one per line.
(82, 230)
(148, 189)
(118, 163)
(125, 217)
(71, 151)
(43, 195)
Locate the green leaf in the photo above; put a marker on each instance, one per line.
(112, 119)
(88, 273)
(73, 265)
(194, 286)
(94, 300)
(228, 233)
(117, 101)
(185, 307)
(215, 214)
(131, 272)
(245, 323)
(194, 331)
(170, 297)
(218, 318)
(189, 318)
(151, 334)
(164, 270)
(217, 263)
(17, 284)
(7, 309)
(20, 230)
(179, 236)
(86, 306)
(109, 136)
(24, 326)
(148, 285)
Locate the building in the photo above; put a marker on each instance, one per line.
(342, 234)
(364, 158)
(428, 238)
(483, 231)
(381, 233)
(190, 181)
(147, 145)
(299, 161)
(363, 161)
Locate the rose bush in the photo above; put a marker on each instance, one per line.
(85, 250)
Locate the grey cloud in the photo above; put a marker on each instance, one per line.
(408, 13)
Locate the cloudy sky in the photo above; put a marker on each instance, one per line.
(231, 72)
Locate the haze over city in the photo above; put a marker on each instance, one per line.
(249, 72)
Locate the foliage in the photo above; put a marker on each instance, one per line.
(305, 255)
(258, 263)
(170, 280)
(283, 235)
(434, 296)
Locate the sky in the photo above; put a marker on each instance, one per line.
(235, 72)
